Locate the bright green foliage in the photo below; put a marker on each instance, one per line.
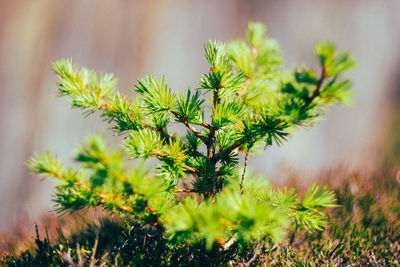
(307, 212)
(229, 214)
(103, 179)
(244, 102)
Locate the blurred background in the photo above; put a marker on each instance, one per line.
(135, 38)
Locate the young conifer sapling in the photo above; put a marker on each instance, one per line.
(196, 191)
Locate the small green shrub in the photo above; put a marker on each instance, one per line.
(196, 194)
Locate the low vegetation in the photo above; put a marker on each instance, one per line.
(363, 231)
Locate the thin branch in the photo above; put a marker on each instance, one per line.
(159, 153)
(318, 89)
(210, 141)
(189, 126)
(227, 150)
(206, 125)
(193, 170)
(244, 170)
(211, 138)
(256, 253)
(92, 262)
(216, 98)
(164, 134)
(230, 242)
